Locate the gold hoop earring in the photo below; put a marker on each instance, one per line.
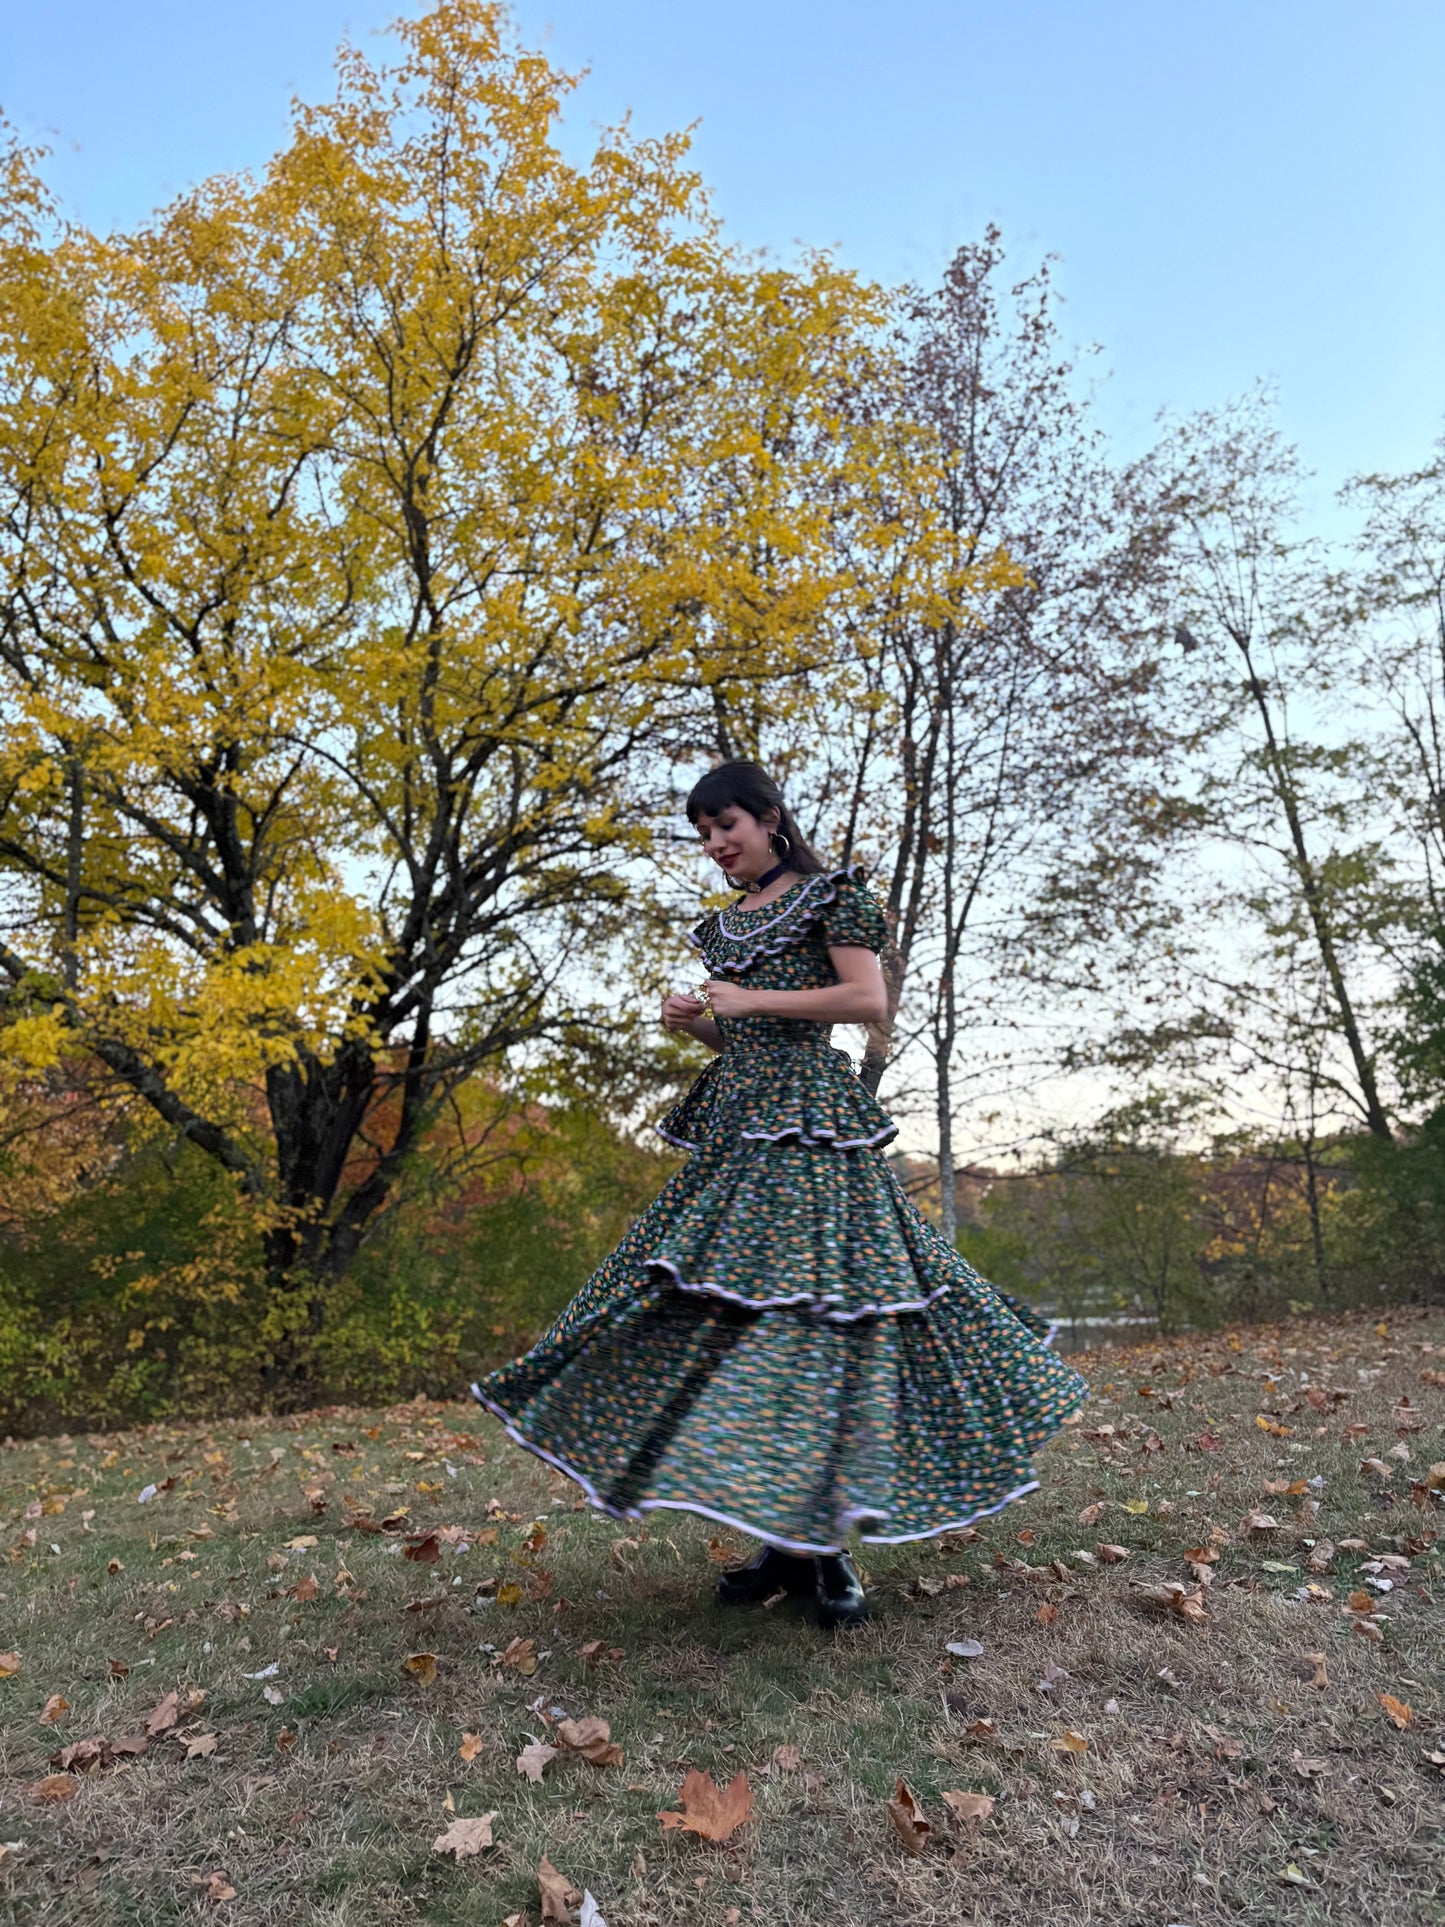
(774, 837)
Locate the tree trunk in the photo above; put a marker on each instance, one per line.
(1309, 879)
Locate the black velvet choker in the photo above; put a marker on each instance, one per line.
(762, 882)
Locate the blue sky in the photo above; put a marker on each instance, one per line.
(1237, 190)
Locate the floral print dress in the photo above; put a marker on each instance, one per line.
(781, 1341)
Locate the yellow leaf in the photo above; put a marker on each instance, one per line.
(1400, 1712)
(422, 1667)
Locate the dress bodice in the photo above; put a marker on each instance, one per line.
(781, 1077)
(784, 946)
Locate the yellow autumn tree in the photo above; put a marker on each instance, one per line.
(363, 529)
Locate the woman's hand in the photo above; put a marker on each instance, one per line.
(681, 1012)
(728, 999)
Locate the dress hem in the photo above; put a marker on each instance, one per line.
(854, 1516)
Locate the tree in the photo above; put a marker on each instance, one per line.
(1292, 853)
(347, 569)
(1008, 729)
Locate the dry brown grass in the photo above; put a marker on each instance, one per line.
(1214, 1763)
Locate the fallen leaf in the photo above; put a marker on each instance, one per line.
(1321, 1555)
(1377, 1467)
(1091, 1514)
(710, 1811)
(619, 1549)
(1225, 1748)
(422, 1667)
(1259, 1522)
(1291, 1875)
(200, 1746)
(425, 1551)
(511, 1594)
(465, 1837)
(1136, 1506)
(1176, 1598)
(215, 1885)
(272, 1695)
(969, 1806)
(1069, 1742)
(1361, 1602)
(980, 1731)
(9, 1665)
(1047, 1615)
(965, 1648)
(1111, 1555)
(305, 1590)
(54, 1788)
(84, 1756)
(591, 1916)
(471, 1746)
(1308, 1768)
(788, 1759)
(55, 1708)
(592, 1739)
(913, 1829)
(559, 1896)
(164, 1716)
(1321, 1670)
(1401, 1713)
(534, 1759)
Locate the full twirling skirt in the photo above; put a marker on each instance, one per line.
(782, 1342)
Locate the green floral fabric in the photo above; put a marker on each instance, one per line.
(781, 1340)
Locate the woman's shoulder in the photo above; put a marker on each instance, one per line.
(852, 914)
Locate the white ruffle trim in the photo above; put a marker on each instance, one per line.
(819, 1141)
(810, 1299)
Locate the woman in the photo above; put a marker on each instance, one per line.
(782, 1342)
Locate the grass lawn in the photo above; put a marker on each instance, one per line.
(1272, 1751)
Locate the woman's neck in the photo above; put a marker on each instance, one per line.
(764, 897)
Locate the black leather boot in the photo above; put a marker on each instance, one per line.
(841, 1598)
(767, 1570)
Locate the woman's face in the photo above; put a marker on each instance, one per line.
(737, 841)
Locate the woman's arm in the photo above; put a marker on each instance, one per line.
(859, 997)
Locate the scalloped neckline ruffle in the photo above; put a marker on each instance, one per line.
(788, 926)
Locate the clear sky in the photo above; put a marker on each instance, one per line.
(1237, 188)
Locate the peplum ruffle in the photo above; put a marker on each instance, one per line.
(783, 1091)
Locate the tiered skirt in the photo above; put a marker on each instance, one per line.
(782, 1342)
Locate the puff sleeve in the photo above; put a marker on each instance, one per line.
(854, 916)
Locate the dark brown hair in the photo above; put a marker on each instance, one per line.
(747, 786)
